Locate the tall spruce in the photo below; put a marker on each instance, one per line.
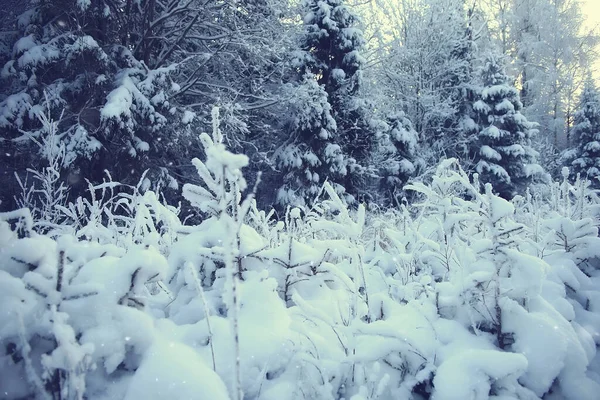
(459, 127)
(330, 56)
(103, 71)
(502, 153)
(311, 154)
(396, 157)
(586, 134)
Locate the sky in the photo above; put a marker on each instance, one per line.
(591, 11)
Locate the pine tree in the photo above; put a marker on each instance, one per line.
(330, 55)
(586, 134)
(396, 156)
(456, 86)
(503, 154)
(89, 65)
(331, 47)
(311, 155)
(134, 82)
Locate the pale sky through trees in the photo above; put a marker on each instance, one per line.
(591, 11)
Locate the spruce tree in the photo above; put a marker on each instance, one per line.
(330, 54)
(502, 153)
(396, 156)
(458, 90)
(133, 82)
(88, 66)
(586, 135)
(311, 154)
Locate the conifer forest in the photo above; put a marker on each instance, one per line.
(299, 200)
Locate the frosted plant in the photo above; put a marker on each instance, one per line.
(449, 216)
(221, 198)
(47, 190)
(63, 299)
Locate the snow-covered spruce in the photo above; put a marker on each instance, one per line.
(586, 135)
(330, 134)
(502, 152)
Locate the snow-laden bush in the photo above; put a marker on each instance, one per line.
(72, 311)
(461, 295)
(458, 288)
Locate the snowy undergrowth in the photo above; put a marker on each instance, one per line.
(462, 295)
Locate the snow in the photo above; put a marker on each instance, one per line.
(514, 150)
(459, 292)
(489, 153)
(470, 373)
(84, 4)
(24, 44)
(14, 108)
(338, 74)
(552, 348)
(592, 146)
(188, 117)
(39, 54)
(494, 169)
(136, 96)
(505, 106)
(481, 106)
(118, 102)
(493, 132)
(173, 370)
(497, 91)
(534, 170)
(84, 43)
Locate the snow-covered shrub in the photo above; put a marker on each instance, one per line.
(457, 288)
(503, 287)
(462, 294)
(110, 213)
(73, 312)
(47, 191)
(124, 215)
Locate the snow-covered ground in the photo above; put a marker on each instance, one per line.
(461, 295)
